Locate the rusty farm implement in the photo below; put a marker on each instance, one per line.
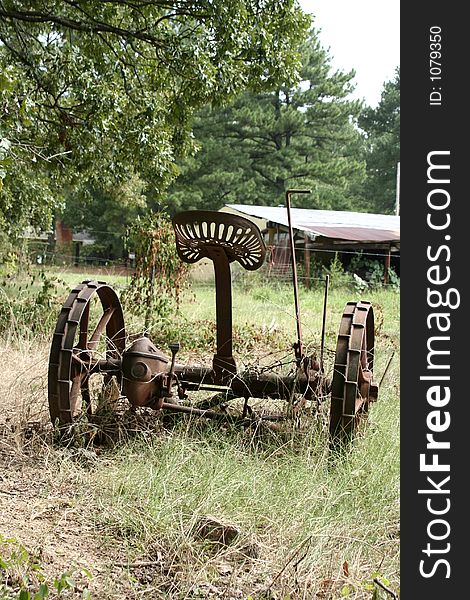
(88, 353)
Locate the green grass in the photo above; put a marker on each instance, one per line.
(270, 310)
(30, 301)
(280, 493)
(285, 492)
(73, 275)
(310, 522)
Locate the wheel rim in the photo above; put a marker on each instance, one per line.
(353, 387)
(82, 342)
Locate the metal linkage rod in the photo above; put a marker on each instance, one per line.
(323, 327)
(298, 346)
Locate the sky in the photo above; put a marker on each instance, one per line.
(363, 35)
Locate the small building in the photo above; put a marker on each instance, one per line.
(324, 232)
(62, 241)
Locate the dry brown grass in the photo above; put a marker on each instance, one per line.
(307, 527)
(43, 505)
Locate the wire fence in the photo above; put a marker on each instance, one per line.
(311, 267)
(48, 257)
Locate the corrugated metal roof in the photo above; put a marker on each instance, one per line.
(338, 224)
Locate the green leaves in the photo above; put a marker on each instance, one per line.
(105, 212)
(4, 159)
(101, 88)
(160, 274)
(64, 582)
(302, 136)
(21, 575)
(42, 593)
(382, 128)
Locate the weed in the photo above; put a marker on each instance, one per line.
(160, 274)
(300, 513)
(22, 577)
(29, 304)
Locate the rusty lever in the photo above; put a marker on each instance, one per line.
(298, 349)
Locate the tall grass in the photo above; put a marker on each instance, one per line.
(280, 494)
(310, 522)
(284, 494)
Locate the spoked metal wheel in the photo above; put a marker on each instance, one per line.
(353, 387)
(86, 349)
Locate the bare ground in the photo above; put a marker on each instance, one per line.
(44, 509)
(41, 504)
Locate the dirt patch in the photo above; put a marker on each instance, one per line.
(43, 509)
(41, 505)
(46, 515)
(47, 508)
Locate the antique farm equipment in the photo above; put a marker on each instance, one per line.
(91, 354)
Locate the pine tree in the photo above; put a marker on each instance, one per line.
(302, 135)
(382, 128)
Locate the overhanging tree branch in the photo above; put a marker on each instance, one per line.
(91, 25)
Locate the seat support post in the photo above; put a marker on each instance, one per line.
(222, 238)
(223, 362)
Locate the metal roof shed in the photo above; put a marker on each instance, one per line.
(330, 229)
(333, 224)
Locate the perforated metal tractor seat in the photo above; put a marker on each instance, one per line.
(199, 232)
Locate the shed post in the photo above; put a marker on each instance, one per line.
(387, 265)
(76, 260)
(307, 260)
(271, 233)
